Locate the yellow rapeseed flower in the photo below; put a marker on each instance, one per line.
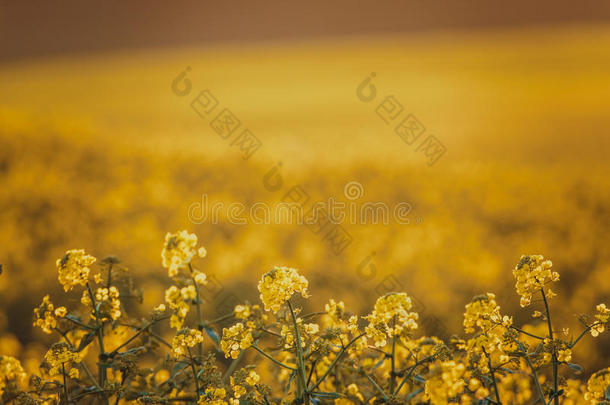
(45, 315)
(391, 317)
(235, 339)
(213, 396)
(179, 250)
(10, 370)
(597, 386)
(532, 274)
(483, 314)
(60, 355)
(185, 339)
(602, 318)
(277, 286)
(73, 268)
(445, 382)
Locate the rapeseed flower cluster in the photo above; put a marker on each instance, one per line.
(331, 356)
(179, 250)
(602, 319)
(10, 371)
(74, 269)
(108, 298)
(213, 396)
(598, 387)
(533, 273)
(176, 299)
(60, 359)
(445, 382)
(46, 315)
(483, 314)
(278, 285)
(184, 340)
(391, 317)
(235, 339)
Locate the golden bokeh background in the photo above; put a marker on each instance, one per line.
(97, 152)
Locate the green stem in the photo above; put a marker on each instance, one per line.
(393, 372)
(100, 340)
(82, 363)
(220, 319)
(233, 366)
(554, 355)
(300, 361)
(335, 361)
(584, 332)
(526, 333)
(493, 377)
(200, 323)
(66, 396)
(377, 387)
(406, 378)
(531, 366)
(279, 363)
(192, 363)
(138, 333)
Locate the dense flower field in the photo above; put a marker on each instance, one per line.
(280, 354)
(98, 152)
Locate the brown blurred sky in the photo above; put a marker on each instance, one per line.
(31, 29)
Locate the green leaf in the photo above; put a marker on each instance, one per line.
(73, 318)
(419, 378)
(177, 368)
(212, 334)
(576, 367)
(88, 338)
(414, 393)
(332, 395)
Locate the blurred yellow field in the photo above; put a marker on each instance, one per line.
(97, 152)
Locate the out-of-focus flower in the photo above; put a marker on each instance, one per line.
(235, 339)
(574, 393)
(602, 319)
(73, 268)
(514, 389)
(242, 311)
(175, 300)
(564, 355)
(391, 317)
(238, 390)
(352, 390)
(185, 339)
(45, 315)
(252, 378)
(110, 305)
(200, 278)
(178, 251)
(10, 370)
(483, 313)
(597, 386)
(213, 396)
(277, 286)
(188, 293)
(61, 357)
(445, 382)
(335, 310)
